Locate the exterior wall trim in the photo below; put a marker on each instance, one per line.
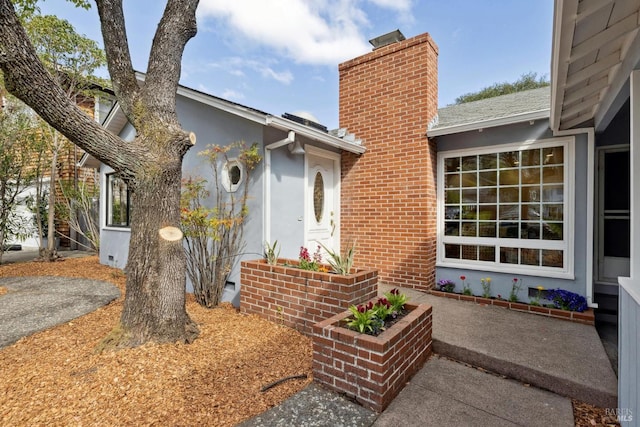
(502, 121)
(591, 144)
(568, 272)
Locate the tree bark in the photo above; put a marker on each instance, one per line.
(154, 309)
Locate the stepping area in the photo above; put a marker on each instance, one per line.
(530, 368)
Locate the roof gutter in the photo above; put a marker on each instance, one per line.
(313, 134)
(483, 124)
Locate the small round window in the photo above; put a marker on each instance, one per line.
(318, 196)
(232, 175)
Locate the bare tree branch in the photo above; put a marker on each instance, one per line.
(176, 28)
(27, 78)
(116, 46)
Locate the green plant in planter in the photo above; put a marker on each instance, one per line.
(396, 299)
(446, 285)
(306, 262)
(370, 318)
(466, 289)
(486, 287)
(364, 318)
(341, 263)
(515, 288)
(536, 299)
(567, 300)
(271, 253)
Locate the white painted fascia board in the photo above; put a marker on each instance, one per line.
(313, 134)
(114, 123)
(266, 119)
(88, 161)
(223, 105)
(564, 15)
(113, 119)
(484, 124)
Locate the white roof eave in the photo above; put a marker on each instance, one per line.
(313, 134)
(484, 124)
(116, 120)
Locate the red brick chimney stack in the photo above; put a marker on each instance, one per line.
(387, 98)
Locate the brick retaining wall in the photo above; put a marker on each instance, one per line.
(371, 369)
(300, 298)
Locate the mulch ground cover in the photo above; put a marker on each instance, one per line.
(55, 378)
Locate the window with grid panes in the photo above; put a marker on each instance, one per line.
(506, 206)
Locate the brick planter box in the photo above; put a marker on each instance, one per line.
(300, 298)
(587, 317)
(371, 369)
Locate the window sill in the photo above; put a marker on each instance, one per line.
(115, 228)
(508, 269)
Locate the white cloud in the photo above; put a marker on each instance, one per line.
(308, 31)
(236, 66)
(231, 94)
(399, 5)
(402, 7)
(203, 88)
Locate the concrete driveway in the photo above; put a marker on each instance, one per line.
(33, 304)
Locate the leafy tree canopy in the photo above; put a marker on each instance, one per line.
(526, 81)
(28, 8)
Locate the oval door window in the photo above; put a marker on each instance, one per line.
(318, 196)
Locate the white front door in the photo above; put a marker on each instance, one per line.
(322, 199)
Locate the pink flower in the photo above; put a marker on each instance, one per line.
(515, 279)
(304, 254)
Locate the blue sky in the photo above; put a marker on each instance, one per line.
(282, 55)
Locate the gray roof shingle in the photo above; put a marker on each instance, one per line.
(499, 107)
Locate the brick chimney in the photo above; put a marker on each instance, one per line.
(387, 98)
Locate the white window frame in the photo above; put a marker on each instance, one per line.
(226, 178)
(566, 244)
(109, 206)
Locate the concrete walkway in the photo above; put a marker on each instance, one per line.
(542, 363)
(564, 357)
(448, 393)
(37, 303)
(31, 254)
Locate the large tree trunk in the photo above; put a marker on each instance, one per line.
(154, 309)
